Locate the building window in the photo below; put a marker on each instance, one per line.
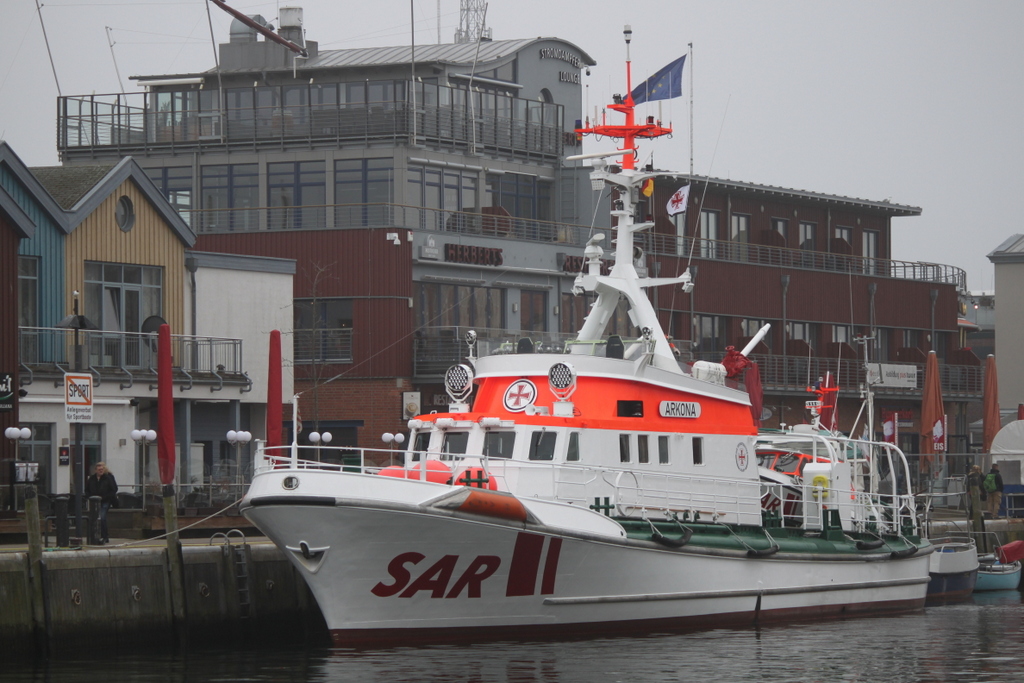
(844, 234)
(297, 193)
(881, 346)
(28, 291)
(175, 184)
(38, 449)
(119, 297)
(124, 213)
(363, 192)
(911, 339)
(781, 226)
(441, 305)
(842, 334)
(739, 234)
(323, 330)
(230, 197)
(870, 252)
(533, 311)
(805, 332)
(708, 234)
(808, 236)
(446, 191)
(709, 331)
(522, 196)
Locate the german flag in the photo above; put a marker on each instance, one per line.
(647, 187)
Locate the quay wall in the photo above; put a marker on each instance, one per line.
(124, 596)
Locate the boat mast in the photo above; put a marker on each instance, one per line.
(627, 180)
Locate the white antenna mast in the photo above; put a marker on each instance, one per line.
(110, 42)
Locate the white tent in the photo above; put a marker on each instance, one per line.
(1008, 451)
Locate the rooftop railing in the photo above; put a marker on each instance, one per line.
(130, 123)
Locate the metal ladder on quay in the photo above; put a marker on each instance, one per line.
(239, 558)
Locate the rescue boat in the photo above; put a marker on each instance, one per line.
(601, 487)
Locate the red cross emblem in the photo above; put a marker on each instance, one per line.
(520, 394)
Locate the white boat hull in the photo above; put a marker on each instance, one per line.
(391, 571)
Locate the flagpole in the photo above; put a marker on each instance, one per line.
(689, 58)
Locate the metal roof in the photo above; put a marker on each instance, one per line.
(464, 54)
(1010, 251)
(454, 53)
(883, 206)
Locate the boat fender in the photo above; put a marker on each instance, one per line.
(906, 552)
(763, 552)
(664, 540)
(870, 545)
(820, 481)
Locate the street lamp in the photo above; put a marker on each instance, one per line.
(238, 439)
(316, 438)
(392, 439)
(143, 437)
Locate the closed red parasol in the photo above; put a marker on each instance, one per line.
(990, 418)
(933, 414)
(274, 391)
(165, 406)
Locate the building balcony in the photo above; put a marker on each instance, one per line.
(116, 125)
(438, 348)
(130, 358)
(498, 223)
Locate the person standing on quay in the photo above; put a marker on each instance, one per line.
(993, 485)
(102, 483)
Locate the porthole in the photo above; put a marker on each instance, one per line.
(125, 213)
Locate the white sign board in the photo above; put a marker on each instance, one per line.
(888, 375)
(77, 397)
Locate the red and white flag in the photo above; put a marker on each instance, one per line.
(677, 202)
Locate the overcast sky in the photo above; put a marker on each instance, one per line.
(917, 101)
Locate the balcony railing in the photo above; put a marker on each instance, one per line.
(45, 350)
(494, 222)
(436, 349)
(129, 123)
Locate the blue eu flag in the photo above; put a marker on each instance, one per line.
(663, 85)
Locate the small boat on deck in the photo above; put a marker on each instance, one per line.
(953, 569)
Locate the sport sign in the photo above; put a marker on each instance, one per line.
(77, 397)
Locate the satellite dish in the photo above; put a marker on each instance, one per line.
(151, 325)
(766, 413)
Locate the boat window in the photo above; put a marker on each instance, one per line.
(624, 448)
(698, 450)
(573, 453)
(631, 409)
(455, 443)
(419, 444)
(641, 448)
(499, 444)
(542, 445)
(663, 450)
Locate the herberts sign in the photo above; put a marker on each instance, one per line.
(77, 397)
(477, 256)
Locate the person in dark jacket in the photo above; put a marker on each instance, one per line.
(995, 497)
(102, 483)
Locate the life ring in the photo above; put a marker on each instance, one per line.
(820, 481)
